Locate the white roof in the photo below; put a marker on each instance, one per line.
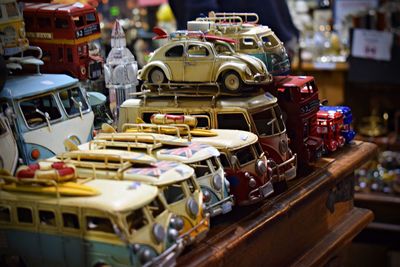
(195, 152)
(228, 139)
(115, 196)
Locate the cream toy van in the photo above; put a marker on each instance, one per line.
(204, 159)
(126, 224)
(175, 180)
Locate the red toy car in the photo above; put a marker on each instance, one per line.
(329, 128)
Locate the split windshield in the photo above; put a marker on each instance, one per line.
(35, 110)
(269, 121)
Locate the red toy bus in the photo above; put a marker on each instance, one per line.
(298, 99)
(66, 34)
(329, 128)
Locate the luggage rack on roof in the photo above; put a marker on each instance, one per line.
(175, 129)
(184, 34)
(129, 145)
(242, 15)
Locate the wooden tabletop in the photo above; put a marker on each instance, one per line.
(306, 225)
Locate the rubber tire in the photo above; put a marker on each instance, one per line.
(231, 75)
(159, 73)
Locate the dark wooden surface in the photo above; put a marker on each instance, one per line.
(305, 226)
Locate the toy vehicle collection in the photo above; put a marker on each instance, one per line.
(251, 38)
(66, 33)
(186, 60)
(204, 159)
(298, 99)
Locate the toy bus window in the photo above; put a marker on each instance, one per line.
(69, 55)
(266, 123)
(78, 20)
(244, 155)
(46, 56)
(90, 18)
(100, 224)
(174, 193)
(214, 163)
(44, 22)
(198, 51)
(47, 218)
(279, 117)
(61, 23)
(248, 43)
(232, 121)
(5, 215)
(24, 215)
(35, 110)
(136, 220)
(70, 220)
(201, 168)
(224, 160)
(269, 40)
(203, 122)
(29, 23)
(258, 149)
(192, 184)
(156, 207)
(73, 100)
(60, 54)
(12, 10)
(176, 51)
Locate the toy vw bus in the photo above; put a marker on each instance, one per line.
(12, 28)
(251, 38)
(258, 114)
(43, 111)
(175, 180)
(204, 159)
(329, 128)
(127, 224)
(347, 132)
(245, 164)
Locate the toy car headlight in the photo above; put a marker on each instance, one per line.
(176, 222)
(206, 195)
(172, 234)
(158, 232)
(261, 167)
(192, 207)
(145, 255)
(217, 181)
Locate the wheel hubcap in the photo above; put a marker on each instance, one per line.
(157, 77)
(232, 82)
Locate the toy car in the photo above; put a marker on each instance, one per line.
(126, 224)
(43, 111)
(298, 99)
(251, 38)
(187, 59)
(175, 181)
(329, 126)
(347, 132)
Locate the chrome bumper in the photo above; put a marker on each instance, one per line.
(260, 193)
(221, 207)
(168, 257)
(259, 79)
(289, 172)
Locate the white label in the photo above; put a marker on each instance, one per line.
(372, 44)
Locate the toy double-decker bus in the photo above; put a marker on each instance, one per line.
(298, 99)
(329, 128)
(66, 33)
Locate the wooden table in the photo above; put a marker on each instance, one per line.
(308, 225)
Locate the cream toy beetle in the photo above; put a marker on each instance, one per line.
(126, 224)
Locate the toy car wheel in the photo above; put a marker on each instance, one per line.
(231, 81)
(157, 76)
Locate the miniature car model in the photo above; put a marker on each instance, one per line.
(329, 128)
(43, 111)
(12, 27)
(8, 146)
(67, 34)
(298, 99)
(347, 132)
(174, 180)
(251, 38)
(204, 159)
(245, 164)
(258, 114)
(126, 224)
(188, 59)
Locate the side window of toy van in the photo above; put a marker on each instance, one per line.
(203, 120)
(248, 43)
(136, 220)
(5, 214)
(235, 121)
(224, 160)
(73, 101)
(174, 192)
(99, 224)
(147, 115)
(35, 110)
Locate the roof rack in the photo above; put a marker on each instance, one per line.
(175, 129)
(244, 15)
(184, 34)
(104, 144)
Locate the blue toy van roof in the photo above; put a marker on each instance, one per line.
(17, 87)
(342, 109)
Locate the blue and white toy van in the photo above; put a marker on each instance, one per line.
(43, 111)
(347, 131)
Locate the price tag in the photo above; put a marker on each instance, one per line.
(372, 44)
